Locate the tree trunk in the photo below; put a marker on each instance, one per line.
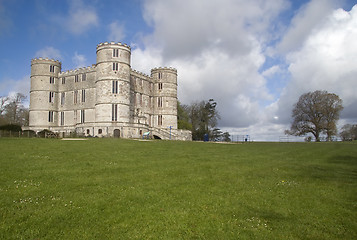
(317, 136)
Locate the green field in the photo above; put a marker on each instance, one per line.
(126, 189)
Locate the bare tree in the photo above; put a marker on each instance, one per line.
(349, 132)
(14, 111)
(316, 112)
(3, 102)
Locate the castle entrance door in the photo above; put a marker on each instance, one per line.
(116, 133)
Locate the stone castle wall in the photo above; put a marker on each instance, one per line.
(106, 99)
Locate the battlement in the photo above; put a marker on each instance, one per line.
(164, 69)
(79, 70)
(109, 44)
(45, 60)
(139, 74)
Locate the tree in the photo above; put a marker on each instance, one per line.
(332, 111)
(183, 120)
(349, 132)
(3, 102)
(13, 110)
(211, 115)
(226, 137)
(203, 117)
(316, 112)
(195, 116)
(199, 117)
(216, 134)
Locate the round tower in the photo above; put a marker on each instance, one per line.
(44, 93)
(165, 93)
(113, 84)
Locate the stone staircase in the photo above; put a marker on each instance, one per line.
(163, 133)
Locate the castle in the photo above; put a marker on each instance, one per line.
(108, 99)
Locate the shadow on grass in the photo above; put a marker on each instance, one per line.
(342, 167)
(346, 160)
(269, 213)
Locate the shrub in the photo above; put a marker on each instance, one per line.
(46, 133)
(11, 127)
(29, 133)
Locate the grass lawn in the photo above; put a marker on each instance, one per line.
(126, 189)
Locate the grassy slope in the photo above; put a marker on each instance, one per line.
(122, 189)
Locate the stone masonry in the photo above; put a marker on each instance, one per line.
(108, 99)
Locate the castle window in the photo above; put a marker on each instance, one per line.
(82, 116)
(100, 131)
(62, 118)
(76, 78)
(75, 96)
(52, 68)
(160, 86)
(115, 66)
(115, 52)
(88, 131)
(159, 120)
(159, 102)
(160, 75)
(84, 77)
(62, 98)
(115, 87)
(114, 112)
(50, 116)
(83, 95)
(52, 80)
(141, 99)
(51, 97)
(63, 80)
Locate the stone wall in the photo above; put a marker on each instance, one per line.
(106, 99)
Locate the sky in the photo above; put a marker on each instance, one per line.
(254, 58)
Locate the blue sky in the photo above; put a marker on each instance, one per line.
(255, 58)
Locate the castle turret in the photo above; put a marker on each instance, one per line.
(107, 99)
(44, 93)
(165, 94)
(113, 83)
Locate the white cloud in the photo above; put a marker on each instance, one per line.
(116, 32)
(326, 61)
(271, 71)
(49, 52)
(220, 51)
(79, 60)
(262, 132)
(186, 30)
(233, 82)
(144, 60)
(11, 86)
(80, 18)
(310, 16)
(217, 49)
